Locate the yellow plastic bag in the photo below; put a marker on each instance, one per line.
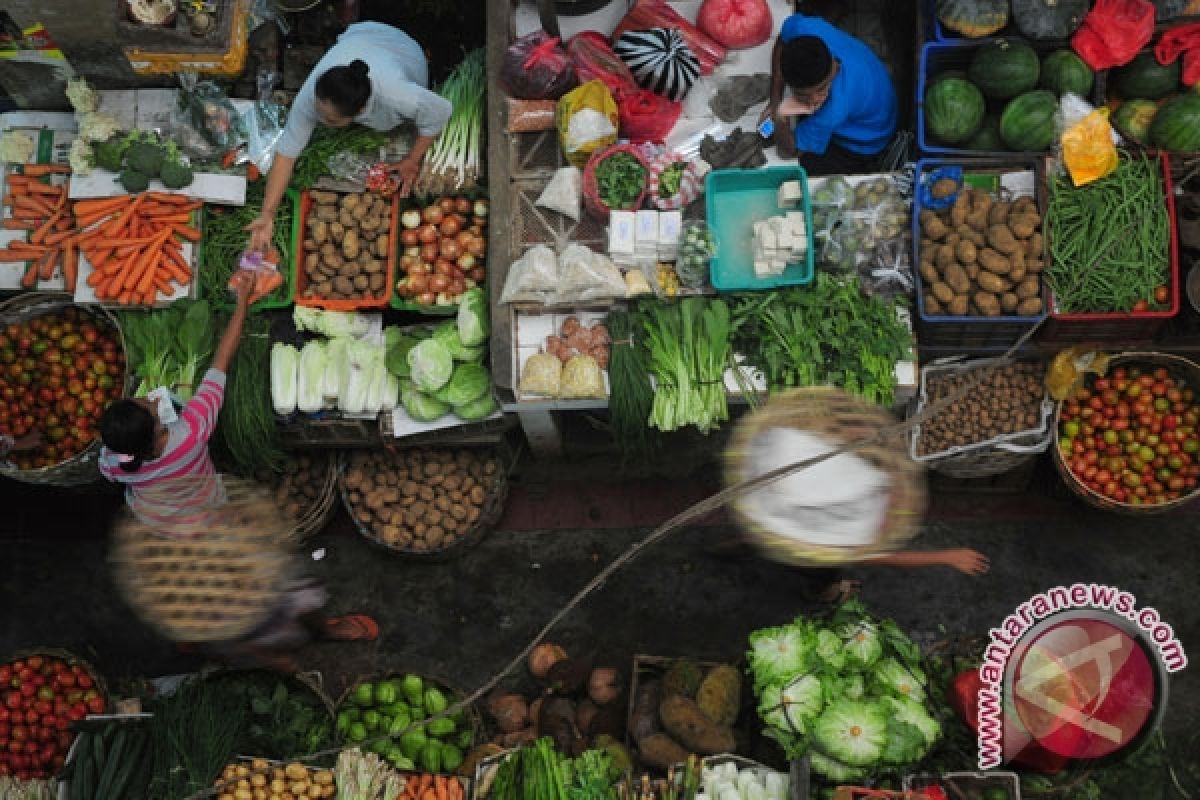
(1068, 368)
(1088, 148)
(587, 121)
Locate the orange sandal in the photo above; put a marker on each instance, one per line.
(352, 628)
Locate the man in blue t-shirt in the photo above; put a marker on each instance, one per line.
(832, 100)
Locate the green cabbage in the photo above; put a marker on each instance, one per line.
(905, 744)
(472, 355)
(863, 645)
(830, 649)
(479, 408)
(895, 679)
(779, 654)
(795, 706)
(473, 317)
(913, 713)
(431, 365)
(852, 731)
(419, 405)
(835, 770)
(397, 353)
(284, 360)
(468, 382)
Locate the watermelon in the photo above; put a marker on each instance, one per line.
(988, 136)
(1004, 68)
(1145, 77)
(1028, 121)
(1176, 126)
(1132, 120)
(1063, 71)
(953, 110)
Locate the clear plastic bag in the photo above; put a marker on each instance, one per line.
(533, 278)
(887, 271)
(264, 123)
(871, 211)
(582, 379)
(564, 193)
(348, 166)
(697, 246)
(584, 275)
(542, 374)
(209, 111)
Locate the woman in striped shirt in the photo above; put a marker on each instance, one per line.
(172, 485)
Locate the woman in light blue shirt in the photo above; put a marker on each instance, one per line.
(374, 75)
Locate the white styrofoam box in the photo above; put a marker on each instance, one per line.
(621, 232)
(11, 272)
(404, 425)
(530, 339)
(646, 228)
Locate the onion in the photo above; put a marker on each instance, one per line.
(604, 685)
(481, 208)
(414, 251)
(446, 204)
(456, 272)
(402, 287)
(510, 711)
(427, 233)
(476, 274)
(465, 261)
(450, 226)
(418, 283)
(425, 299)
(432, 215)
(408, 237)
(420, 268)
(449, 249)
(462, 205)
(410, 219)
(439, 283)
(464, 236)
(429, 252)
(543, 657)
(444, 267)
(457, 286)
(477, 246)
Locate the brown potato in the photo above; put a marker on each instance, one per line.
(1030, 306)
(945, 257)
(361, 282)
(326, 213)
(965, 251)
(961, 209)
(1008, 302)
(957, 279)
(381, 245)
(992, 283)
(987, 303)
(932, 306)
(1030, 287)
(932, 225)
(929, 272)
(376, 282)
(320, 231)
(1000, 238)
(943, 292)
(972, 270)
(992, 261)
(343, 285)
(322, 289)
(373, 265)
(323, 197)
(977, 220)
(350, 244)
(1023, 226)
(973, 236)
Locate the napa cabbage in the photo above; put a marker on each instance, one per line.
(331, 324)
(779, 654)
(853, 732)
(895, 679)
(284, 360)
(310, 389)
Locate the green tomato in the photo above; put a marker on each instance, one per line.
(372, 719)
(358, 732)
(1071, 429)
(385, 693)
(413, 688)
(364, 694)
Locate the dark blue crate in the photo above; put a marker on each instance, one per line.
(967, 332)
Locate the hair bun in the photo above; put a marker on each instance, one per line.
(358, 68)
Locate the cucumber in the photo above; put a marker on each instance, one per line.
(81, 787)
(137, 747)
(117, 749)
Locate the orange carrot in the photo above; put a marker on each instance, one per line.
(187, 232)
(126, 297)
(30, 278)
(174, 199)
(109, 204)
(165, 219)
(37, 187)
(46, 265)
(34, 202)
(104, 241)
(11, 256)
(173, 270)
(70, 266)
(119, 224)
(429, 794)
(143, 265)
(38, 235)
(161, 283)
(441, 789)
(58, 237)
(95, 277)
(18, 224)
(40, 170)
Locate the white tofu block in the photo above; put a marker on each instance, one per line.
(795, 222)
(647, 227)
(768, 238)
(762, 269)
(621, 232)
(790, 194)
(670, 226)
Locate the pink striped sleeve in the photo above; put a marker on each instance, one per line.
(200, 413)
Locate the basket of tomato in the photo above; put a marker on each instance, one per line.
(61, 365)
(44, 692)
(1127, 439)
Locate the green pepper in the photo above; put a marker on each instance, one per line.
(344, 721)
(413, 742)
(435, 701)
(399, 723)
(379, 746)
(385, 693)
(431, 757)
(397, 708)
(441, 727)
(398, 760)
(364, 694)
(452, 757)
(372, 720)
(413, 688)
(358, 732)
(465, 739)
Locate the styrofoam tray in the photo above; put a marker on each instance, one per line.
(84, 293)
(11, 272)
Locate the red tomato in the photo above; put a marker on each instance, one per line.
(1140, 305)
(96, 705)
(1162, 295)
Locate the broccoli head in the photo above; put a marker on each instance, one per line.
(109, 153)
(175, 175)
(133, 181)
(146, 158)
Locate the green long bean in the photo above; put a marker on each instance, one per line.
(1108, 241)
(225, 239)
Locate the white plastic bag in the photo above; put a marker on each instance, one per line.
(563, 193)
(533, 278)
(586, 275)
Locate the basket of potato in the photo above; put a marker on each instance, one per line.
(347, 255)
(305, 489)
(259, 779)
(998, 417)
(430, 503)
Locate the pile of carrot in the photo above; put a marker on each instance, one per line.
(133, 242)
(432, 787)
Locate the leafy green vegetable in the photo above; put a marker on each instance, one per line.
(688, 348)
(313, 163)
(480, 408)
(431, 364)
(468, 383)
(670, 179)
(853, 732)
(779, 654)
(283, 722)
(225, 239)
(473, 317)
(396, 358)
(620, 179)
(420, 406)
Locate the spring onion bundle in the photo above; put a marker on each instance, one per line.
(246, 426)
(632, 397)
(454, 161)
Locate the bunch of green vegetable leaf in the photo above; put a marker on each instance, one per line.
(539, 771)
(848, 690)
(194, 735)
(282, 722)
(170, 347)
(313, 163)
(246, 429)
(620, 179)
(687, 347)
(826, 333)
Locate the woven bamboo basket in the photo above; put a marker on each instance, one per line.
(470, 713)
(1179, 367)
(71, 659)
(213, 580)
(490, 512)
(839, 418)
(80, 469)
(991, 456)
(316, 514)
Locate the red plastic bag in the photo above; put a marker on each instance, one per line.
(647, 14)
(591, 190)
(737, 24)
(594, 59)
(537, 68)
(1113, 32)
(646, 116)
(964, 699)
(1183, 39)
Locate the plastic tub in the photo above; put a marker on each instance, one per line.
(301, 283)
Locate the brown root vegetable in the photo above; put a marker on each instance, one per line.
(1030, 306)
(992, 283)
(994, 262)
(943, 188)
(661, 751)
(510, 711)
(569, 675)
(943, 292)
(517, 738)
(956, 279)
(556, 719)
(987, 303)
(604, 685)
(643, 720)
(932, 225)
(585, 712)
(1001, 239)
(688, 725)
(719, 695)
(959, 306)
(998, 213)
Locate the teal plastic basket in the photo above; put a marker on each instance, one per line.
(734, 200)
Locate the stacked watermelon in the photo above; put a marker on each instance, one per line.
(1007, 98)
(1156, 109)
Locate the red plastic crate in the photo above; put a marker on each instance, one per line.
(1121, 327)
(328, 303)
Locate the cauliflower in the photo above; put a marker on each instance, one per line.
(81, 95)
(81, 156)
(96, 126)
(16, 147)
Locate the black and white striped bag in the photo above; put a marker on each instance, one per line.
(660, 60)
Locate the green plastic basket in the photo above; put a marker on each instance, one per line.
(283, 296)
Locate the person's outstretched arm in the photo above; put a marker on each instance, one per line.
(233, 331)
(965, 560)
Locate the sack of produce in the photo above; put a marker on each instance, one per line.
(541, 375)
(697, 246)
(536, 67)
(563, 193)
(587, 120)
(533, 278)
(615, 179)
(582, 379)
(595, 60)
(646, 116)
(660, 60)
(737, 24)
(585, 275)
(676, 182)
(647, 14)
(1113, 32)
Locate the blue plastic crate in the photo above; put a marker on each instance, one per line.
(967, 332)
(734, 200)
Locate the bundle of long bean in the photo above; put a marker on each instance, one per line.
(225, 238)
(313, 163)
(454, 160)
(631, 397)
(247, 423)
(1109, 240)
